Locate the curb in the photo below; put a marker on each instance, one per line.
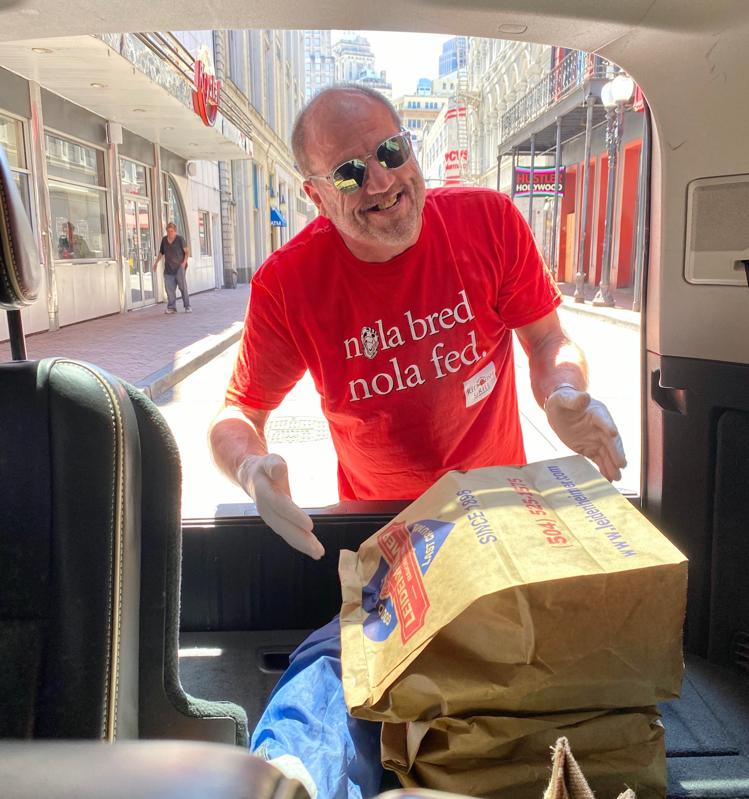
(614, 316)
(189, 360)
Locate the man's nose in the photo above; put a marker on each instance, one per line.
(379, 179)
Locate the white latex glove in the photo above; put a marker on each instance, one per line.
(266, 479)
(585, 426)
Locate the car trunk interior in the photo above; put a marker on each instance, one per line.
(248, 600)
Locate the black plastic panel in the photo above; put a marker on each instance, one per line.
(240, 576)
(729, 601)
(685, 404)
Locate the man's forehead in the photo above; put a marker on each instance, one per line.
(345, 124)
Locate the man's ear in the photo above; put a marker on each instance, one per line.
(312, 192)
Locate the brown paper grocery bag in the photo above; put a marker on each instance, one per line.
(536, 589)
(567, 779)
(499, 756)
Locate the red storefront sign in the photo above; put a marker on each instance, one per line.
(206, 94)
(543, 181)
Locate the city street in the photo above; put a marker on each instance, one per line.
(298, 432)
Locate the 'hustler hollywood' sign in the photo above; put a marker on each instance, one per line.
(543, 181)
(206, 93)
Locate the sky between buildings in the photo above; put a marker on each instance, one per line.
(405, 57)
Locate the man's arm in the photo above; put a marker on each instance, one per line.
(186, 252)
(554, 359)
(237, 440)
(235, 435)
(559, 379)
(159, 256)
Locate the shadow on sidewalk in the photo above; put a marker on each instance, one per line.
(623, 298)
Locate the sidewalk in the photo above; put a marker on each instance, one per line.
(621, 314)
(147, 347)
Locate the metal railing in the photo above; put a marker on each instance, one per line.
(170, 49)
(575, 69)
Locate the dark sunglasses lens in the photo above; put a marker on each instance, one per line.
(350, 176)
(394, 152)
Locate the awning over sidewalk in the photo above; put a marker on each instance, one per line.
(277, 219)
(157, 106)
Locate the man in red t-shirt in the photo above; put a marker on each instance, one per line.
(401, 303)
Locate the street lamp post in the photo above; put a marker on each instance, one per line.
(614, 95)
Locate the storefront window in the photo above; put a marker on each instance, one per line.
(204, 232)
(11, 140)
(134, 178)
(74, 162)
(173, 208)
(78, 199)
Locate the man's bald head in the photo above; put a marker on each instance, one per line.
(335, 101)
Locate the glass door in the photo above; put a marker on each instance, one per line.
(145, 245)
(139, 251)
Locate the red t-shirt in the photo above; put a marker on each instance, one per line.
(412, 357)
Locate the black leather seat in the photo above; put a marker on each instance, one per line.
(90, 543)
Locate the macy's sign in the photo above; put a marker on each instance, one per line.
(207, 88)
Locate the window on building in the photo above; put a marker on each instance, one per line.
(174, 209)
(237, 68)
(78, 199)
(256, 69)
(134, 177)
(11, 139)
(204, 232)
(270, 85)
(255, 187)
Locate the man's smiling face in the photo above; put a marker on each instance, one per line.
(383, 218)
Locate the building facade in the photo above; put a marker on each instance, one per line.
(454, 55)
(187, 126)
(538, 130)
(105, 162)
(418, 113)
(353, 57)
(355, 63)
(319, 62)
(264, 203)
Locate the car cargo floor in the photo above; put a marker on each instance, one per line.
(707, 729)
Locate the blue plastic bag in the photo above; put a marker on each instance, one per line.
(306, 717)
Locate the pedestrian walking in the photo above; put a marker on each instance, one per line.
(175, 254)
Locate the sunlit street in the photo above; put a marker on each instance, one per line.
(298, 432)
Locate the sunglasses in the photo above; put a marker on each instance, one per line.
(349, 176)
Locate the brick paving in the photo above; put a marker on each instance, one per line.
(140, 342)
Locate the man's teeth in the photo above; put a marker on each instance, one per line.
(389, 203)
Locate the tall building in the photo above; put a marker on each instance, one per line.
(319, 62)
(355, 63)
(424, 87)
(454, 55)
(353, 57)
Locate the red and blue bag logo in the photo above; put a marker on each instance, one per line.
(396, 596)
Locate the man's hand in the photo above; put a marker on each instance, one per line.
(266, 479)
(585, 426)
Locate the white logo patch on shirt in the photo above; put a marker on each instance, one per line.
(370, 341)
(480, 385)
